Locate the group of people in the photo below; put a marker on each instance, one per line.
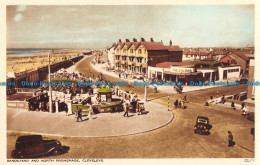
(181, 103)
(134, 105)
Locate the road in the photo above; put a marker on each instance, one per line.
(176, 140)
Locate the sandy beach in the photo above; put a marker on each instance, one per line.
(20, 63)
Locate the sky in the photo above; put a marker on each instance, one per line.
(95, 27)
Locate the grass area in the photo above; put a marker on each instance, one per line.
(82, 107)
(60, 80)
(110, 105)
(104, 90)
(210, 64)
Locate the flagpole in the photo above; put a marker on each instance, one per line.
(50, 97)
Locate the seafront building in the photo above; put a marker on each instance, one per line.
(136, 56)
(185, 72)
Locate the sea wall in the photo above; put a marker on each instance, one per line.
(41, 73)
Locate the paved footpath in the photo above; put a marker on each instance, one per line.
(102, 125)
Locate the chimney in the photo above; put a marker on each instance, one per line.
(134, 40)
(170, 42)
(127, 40)
(142, 40)
(151, 39)
(161, 41)
(120, 40)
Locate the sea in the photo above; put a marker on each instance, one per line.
(25, 51)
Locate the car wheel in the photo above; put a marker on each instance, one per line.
(20, 156)
(56, 152)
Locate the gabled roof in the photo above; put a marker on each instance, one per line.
(148, 46)
(154, 46)
(128, 44)
(221, 59)
(119, 44)
(242, 55)
(169, 64)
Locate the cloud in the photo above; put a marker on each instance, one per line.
(18, 17)
(21, 8)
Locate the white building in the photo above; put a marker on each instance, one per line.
(231, 73)
(180, 71)
(111, 55)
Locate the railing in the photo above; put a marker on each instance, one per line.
(17, 104)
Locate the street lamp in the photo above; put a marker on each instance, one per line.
(145, 88)
(50, 97)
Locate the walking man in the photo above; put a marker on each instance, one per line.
(79, 111)
(90, 111)
(176, 103)
(185, 98)
(126, 108)
(243, 105)
(230, 139)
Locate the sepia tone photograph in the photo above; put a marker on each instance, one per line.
(93, 82)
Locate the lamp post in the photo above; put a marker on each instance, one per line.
(50, 97)
(145, 87)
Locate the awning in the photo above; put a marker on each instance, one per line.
(187, 74)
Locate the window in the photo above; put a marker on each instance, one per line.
(139, 51)
(131, 50)
(124, 50)
(117, 50)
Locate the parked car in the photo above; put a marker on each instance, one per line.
(251, 116)
(202, 125)
(32, 146)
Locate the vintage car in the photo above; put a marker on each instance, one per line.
(32, 146)
(202, 125)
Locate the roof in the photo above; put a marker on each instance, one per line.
(196, 53)
(221, 59)
(149, 46)
(242, 55)
(153, 45)
(169, 64)
(174, 48)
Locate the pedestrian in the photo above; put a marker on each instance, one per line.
(179, 104)
(90, 111)
(244, 111)
(155, 89)
(79, 111)
(211, 97)
(206, 102)
(233, 105)
(185, 97)
(176, 104)
(182, 104)
(243, 105)
(126, 109)
(230, 139)
(141, 109)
